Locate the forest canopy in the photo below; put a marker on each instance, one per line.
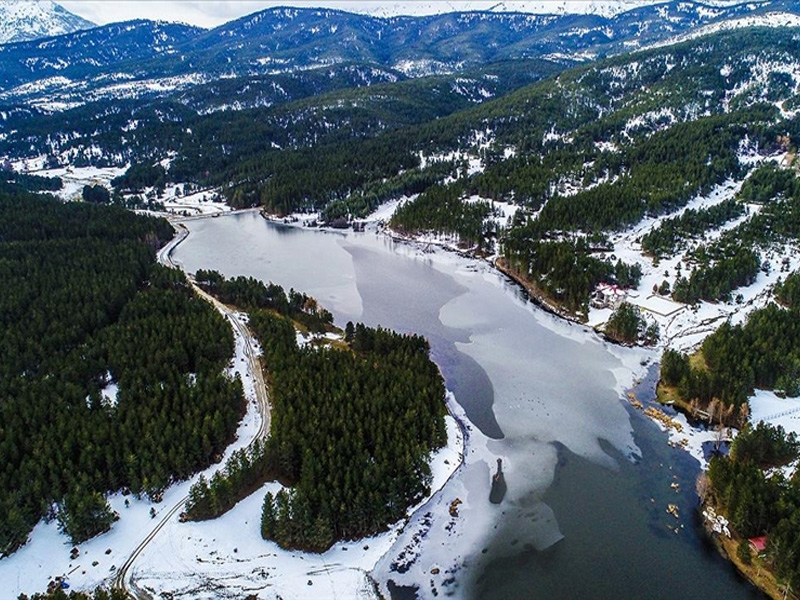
(100, 350)
(352, 427)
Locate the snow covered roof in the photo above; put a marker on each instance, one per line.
(659, 305)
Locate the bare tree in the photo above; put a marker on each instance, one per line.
(693, 407)
(713, 409)
(703, 487)
(744, 414)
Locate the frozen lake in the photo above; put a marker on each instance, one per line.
(588, 479)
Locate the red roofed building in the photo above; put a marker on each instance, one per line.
(759, 544)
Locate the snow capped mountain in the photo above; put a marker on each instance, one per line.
(22, 20)
(419, 8)
(84, 66)
(382, 8)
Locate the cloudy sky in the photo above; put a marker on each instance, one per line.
(210, 13)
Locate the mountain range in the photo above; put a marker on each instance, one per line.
(148, 58)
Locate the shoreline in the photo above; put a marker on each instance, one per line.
(534, 294)
(531, 294)
(756, 574)
(457, 441)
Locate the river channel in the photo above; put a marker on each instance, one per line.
(588, 478)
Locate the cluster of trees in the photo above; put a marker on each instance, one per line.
(528, 179)
(673, 233)
(714, 281)
(250, 293)
(564, 270)
(140, 176)
(96, 194)
(442, 209)
(32, 183)
(788, 292)
(85, 514)
(767, 183)
(244, 472)
(371, 196)
(758, 503)
(86, 306)
(766, 446)
(628, 326)
(311, 178)
(763, 353)
(351, 434)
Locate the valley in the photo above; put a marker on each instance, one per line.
(577, 215)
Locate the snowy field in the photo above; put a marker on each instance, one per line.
(766, 406)
(199, 203)
(226, 557)
(177, 202)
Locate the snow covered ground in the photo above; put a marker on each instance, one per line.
(74, 178)
(176, 200)
(770, 19)
(226, 557)
(202, 202)
(766, 406)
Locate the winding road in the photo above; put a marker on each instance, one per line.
(124, 578)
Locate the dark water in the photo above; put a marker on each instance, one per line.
(537, 393)
(617, 530)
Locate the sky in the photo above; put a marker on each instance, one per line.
(210, 13)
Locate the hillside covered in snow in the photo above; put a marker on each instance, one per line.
(22, 20)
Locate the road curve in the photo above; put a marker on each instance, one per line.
(123, 580)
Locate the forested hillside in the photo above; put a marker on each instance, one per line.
(352, 428)
(151, 59)
(100, 350)
(596, 149)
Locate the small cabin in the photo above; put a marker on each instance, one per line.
(758, 544)
(607, 295)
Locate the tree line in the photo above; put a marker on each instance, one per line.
(442, 209)
(672, 234)
(249, 293)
